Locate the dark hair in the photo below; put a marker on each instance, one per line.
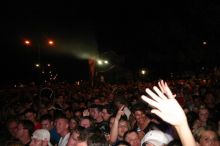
(88, 118)
(27, 124)
(98, 107)
(175, 142)
(120, 100)
(46, 117)
(61, 116)
(128, 132)
(122, 142)
(93, 137)
(110, 109)
(30, 110)
(139, 107)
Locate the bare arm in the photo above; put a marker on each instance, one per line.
(167, 108)
(114, 129)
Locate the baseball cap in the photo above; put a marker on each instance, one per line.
(42, 134)
(156, 137)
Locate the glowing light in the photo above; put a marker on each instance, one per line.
(106, 61)
(143, 72)
(48, 65)
(204, 43)
(37, 65)
(27, 42)
(50, 42)
(99, 62)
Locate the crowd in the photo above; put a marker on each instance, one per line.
(172, 113)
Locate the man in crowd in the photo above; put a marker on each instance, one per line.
(62, 127)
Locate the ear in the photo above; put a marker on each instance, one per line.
(52, 123)
(67, 125)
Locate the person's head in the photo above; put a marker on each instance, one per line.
(86, 122)
(62, 125)
(12, 126)
(203, 114)
(139, 112)
(122, 143)
(123, 126)
(74, 137)
(207, 136)
(87, 137)
(209, 100)
(40, 137)
(25, 129)
(155, 138)
(73, 123)
(132, 138)
(31, 115)
(96, 112)
(69, 113)
(78, 113)
(119, 102)
(107, 112)
(46, 122)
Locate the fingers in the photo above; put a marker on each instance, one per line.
(164, 88)
(121, 108)
(161, 86)
(168, 92)
(150, 101)
(153, 95)
(159, 92)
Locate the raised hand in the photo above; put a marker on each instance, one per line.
(167, 108)
(120, 113)
(165, 105)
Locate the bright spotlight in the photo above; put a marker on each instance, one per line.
(99, 62)
(27, 42)
(204, 43)
(106, 61)
(37, 65)
(50, 42)
(143, 72)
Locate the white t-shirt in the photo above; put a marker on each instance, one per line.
(64, 140)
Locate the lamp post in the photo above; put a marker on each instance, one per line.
(39, 64)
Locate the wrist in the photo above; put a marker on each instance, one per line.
(183, 126)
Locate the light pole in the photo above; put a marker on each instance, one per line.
(39, 65)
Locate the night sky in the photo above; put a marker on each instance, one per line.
(157, 35)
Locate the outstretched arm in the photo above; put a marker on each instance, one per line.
(167, 108)
(114, 129)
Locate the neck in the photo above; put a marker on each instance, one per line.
(144, 125)
(25, 139)
(64, 133)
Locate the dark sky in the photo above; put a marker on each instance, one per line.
(152, 34)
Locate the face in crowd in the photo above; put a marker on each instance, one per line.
(209, 138)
